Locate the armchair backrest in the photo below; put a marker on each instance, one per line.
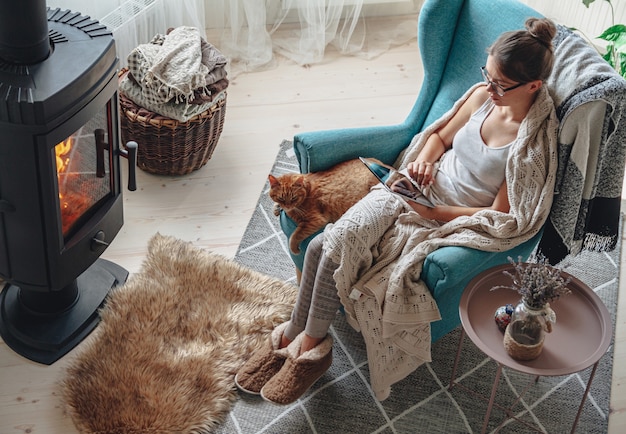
(453, 36)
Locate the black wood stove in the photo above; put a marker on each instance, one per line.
(60, 193)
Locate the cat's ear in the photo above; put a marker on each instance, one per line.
(300, 182)
(274, 181)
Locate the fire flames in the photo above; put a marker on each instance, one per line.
(73, 202)
(62, 153)
(62, 150)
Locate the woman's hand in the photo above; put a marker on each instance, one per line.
(423, 172)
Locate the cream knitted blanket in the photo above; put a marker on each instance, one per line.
(380, 245)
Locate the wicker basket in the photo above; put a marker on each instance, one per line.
(167, 146)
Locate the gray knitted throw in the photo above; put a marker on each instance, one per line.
(590, 99)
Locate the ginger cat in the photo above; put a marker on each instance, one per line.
(313, 200)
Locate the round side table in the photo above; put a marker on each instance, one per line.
(580, 337)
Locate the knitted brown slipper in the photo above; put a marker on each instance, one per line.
(299, 372)
(263, 364)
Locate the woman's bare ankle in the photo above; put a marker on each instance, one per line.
(284, 341)
(308, 343)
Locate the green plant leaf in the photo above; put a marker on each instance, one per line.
(615, 54)
(613, 33)
(616, 35)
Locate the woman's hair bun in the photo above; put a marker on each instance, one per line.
(541, 29)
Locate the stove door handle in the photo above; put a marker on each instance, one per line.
(130, 153)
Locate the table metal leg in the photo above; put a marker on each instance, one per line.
(496, 382)
(492, 398)
(582, 402)
(456, 359)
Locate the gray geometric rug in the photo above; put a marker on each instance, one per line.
(342, 401)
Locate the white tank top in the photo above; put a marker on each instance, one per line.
(470, 173)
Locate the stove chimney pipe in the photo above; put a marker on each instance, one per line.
(24, 31)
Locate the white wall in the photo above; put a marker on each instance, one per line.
(573, 13)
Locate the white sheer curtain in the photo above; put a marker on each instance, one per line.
(135, 22)
(253, 31)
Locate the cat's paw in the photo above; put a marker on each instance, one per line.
(294, 247)
(277, 209)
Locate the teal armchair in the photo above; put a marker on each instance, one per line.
(453, 36)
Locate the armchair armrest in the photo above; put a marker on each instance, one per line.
(448, 270)
(320, 150)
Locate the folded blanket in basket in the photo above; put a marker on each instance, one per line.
(201, 96)
(176, 66)
(181, 112)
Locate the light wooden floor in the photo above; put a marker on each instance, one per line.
(212, 206)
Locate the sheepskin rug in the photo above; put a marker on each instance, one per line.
(164, 355)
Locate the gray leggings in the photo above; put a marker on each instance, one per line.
(317, 302)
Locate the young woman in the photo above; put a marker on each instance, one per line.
(492, 155)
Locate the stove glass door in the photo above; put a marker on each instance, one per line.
(83, 170)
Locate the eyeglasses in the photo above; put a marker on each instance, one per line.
(495, 86)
